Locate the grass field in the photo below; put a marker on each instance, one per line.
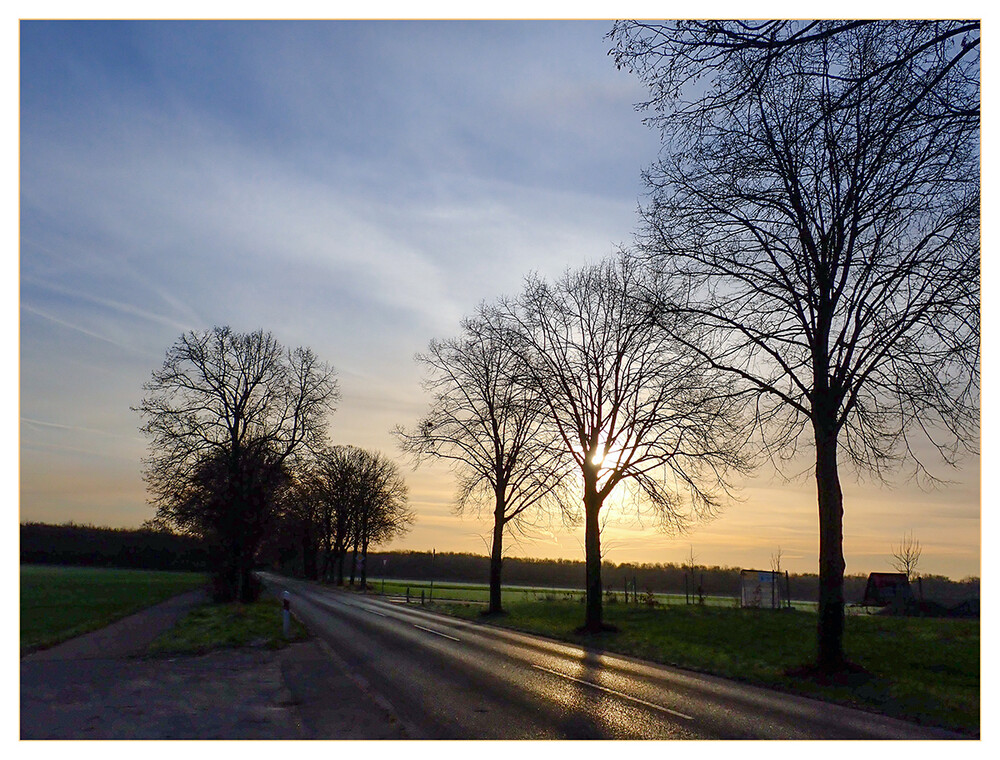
(472, 592)
(58, 603)
(920, 669)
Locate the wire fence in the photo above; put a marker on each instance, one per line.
(417, 591)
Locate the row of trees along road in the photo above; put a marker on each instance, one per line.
(817, 193)
(806, 272)
(575, 386)
(238, 428)
(349, 500)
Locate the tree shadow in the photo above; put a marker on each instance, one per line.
(604, 628)
(848, 674)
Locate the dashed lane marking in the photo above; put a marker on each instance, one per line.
(661, 708)
(436, 633)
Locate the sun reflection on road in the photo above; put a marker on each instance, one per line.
(594, 708)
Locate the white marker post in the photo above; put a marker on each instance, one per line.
(285, 613)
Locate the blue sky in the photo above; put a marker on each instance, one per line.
(356, 187)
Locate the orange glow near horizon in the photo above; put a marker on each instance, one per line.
(107, 490)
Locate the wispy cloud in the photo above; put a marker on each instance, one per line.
(77, 328)
(76, 429)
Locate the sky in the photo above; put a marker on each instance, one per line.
(354, 187)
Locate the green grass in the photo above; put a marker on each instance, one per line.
(921, 669)
(58, 603)
(213, 626)
(466, 592)
(472, 592)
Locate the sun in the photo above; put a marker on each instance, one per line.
(609, 459)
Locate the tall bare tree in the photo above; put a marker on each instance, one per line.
(335, 484)
(361, 501)
(630, 404)
(491, 429)
(226, 416)
(906, 556)
(819, 189)
(382, 512)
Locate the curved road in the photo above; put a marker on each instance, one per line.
(446, 678)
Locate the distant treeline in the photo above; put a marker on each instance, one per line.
(90, 546)
(662, 578)
(86, 545)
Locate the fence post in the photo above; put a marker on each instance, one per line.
(421, 597)
(407, 594)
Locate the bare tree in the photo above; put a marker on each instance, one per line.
(691, 566)
(296, 537)
(361, 501)
(776, 562)
(906, 555)
(226, 416)
(630, 404)
(491, 428)
(671, 56)
(692, 559)
(819, 189)
(382, 512)
(335, 484)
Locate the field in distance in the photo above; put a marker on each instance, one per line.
(58, 603)
(477, 592)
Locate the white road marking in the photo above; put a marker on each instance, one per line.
(436, 633)
(380, 614)
(661, 708)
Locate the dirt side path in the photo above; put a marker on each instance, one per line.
(100, 686)
(126, 637)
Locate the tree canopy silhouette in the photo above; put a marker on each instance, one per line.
(629, 403)
(226, 416)
(818, 189)
(492, 429)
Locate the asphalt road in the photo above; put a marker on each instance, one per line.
(445, 678)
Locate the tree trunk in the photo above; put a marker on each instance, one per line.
(234, 576)
(327, 561)
(830, 650)
(593, 621)
(339, 558)
(496, 559)
(354, 562)
(308, 568)
(364, 564)
(247, 589)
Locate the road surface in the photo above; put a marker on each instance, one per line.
(445, 678)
